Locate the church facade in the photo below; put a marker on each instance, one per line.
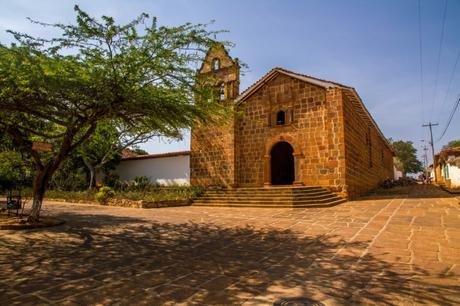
(288, 129)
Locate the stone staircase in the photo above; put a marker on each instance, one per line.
(275, 197)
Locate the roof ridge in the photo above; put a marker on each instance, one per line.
(157, 155)
(255, 83)
(300, 76)
(312, 77)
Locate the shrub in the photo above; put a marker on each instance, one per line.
(142, 183)
(104, 194)
(112, 180)
(15, 172)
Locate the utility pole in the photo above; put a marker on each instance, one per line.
(432, 147)
(425, 156)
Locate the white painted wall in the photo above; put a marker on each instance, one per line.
(454, 176)
(396, 173)
(173, 170)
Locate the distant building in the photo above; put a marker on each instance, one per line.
(397, 174)
(162, 169)
(448, 167)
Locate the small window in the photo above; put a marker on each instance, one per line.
(215, 64)
(222, 92)
(280, 118)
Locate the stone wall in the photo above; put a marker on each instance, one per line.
(313, 129)
(212, 158)
(369, 161)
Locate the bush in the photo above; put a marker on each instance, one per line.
(69, 177)
(154, 193)
(15, 172)
(104, 194)
(142, 183)
(112, 180)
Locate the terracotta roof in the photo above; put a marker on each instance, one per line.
(449, 151)
(150, 156)
(128, 153)
(303, 77)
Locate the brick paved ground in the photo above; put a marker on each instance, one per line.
(404, 250)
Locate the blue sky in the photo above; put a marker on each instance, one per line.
(370, 45)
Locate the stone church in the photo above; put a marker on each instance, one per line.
(288, 129)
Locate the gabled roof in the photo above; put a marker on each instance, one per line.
(449, 151)
(350, 92)
(277, 70)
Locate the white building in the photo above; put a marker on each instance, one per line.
(448, 167)
(163, 169)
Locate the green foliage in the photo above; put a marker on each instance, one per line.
(452, 144)
(104, 194)
(406, 156)
(141, 183)
(139, 76)
(154, 194)
(112, 180)
(15, 172)
(102, 145)
(71, 175)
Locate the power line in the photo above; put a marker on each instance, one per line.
(452, 75)
(450, 118)
(439, 57)
(421, 57)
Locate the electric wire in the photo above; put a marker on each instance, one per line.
(450, 118)
(421, 57)
(433, 102)
(449, 84)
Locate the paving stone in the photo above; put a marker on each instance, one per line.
(401, 251)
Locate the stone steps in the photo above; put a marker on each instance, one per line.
(270, 197)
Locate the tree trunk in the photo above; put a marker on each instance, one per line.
(92, 177)
(92, 174)
(41, 180)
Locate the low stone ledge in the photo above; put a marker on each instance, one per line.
(131, 203)
(147, 204)
(21, 224)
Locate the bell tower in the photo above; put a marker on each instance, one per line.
(212, 157)
(222, 70)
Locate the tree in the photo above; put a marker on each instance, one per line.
(107, 143)
(58, 91)
(406, 155)
(452, 144)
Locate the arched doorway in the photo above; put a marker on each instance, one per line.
(282, 164)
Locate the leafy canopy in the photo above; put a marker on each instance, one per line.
(406, 157)
(452, 144)
(140, 75)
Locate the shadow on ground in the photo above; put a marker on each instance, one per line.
(415, 191)
(105, 259)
